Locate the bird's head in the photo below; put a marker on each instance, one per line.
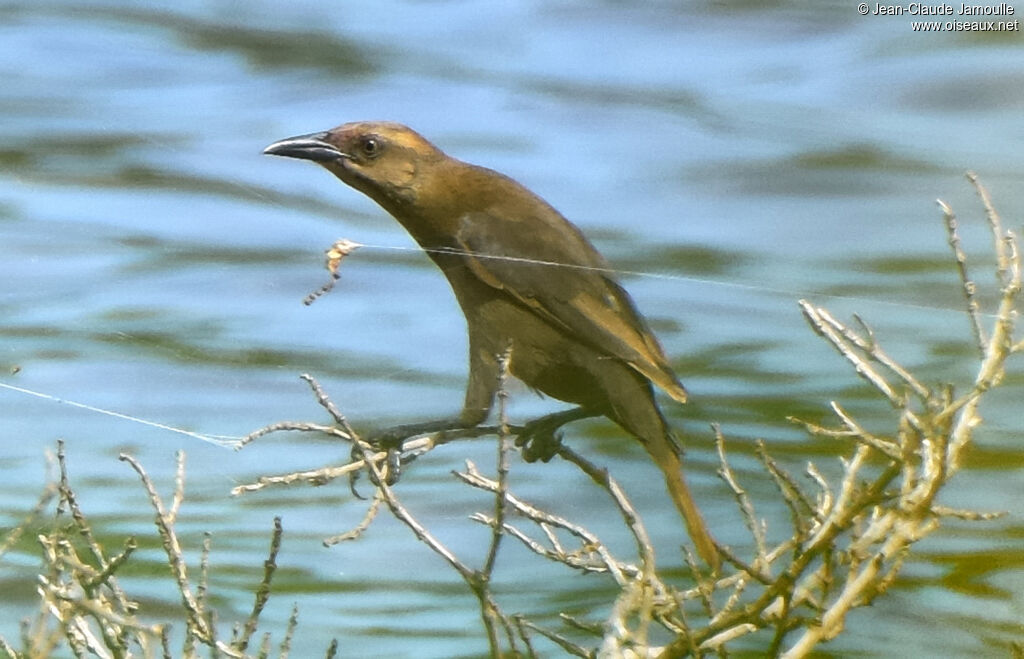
(383, 160)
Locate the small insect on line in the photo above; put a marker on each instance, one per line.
(335, 254)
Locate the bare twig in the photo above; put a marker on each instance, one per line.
(262, 591)
(504, 446)
(970, 289)
(746, 507)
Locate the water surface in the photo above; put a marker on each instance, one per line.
(154, 263)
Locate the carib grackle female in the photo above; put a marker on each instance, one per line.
(526, 279)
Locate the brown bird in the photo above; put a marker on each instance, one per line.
(574, 333)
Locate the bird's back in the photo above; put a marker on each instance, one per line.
(517, 243)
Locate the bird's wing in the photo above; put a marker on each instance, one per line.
(549, 266)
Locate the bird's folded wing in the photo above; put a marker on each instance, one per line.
(551, 268)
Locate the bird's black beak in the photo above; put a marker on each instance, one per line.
(313, 147)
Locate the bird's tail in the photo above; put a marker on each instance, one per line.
(671, 467)
(636, 411)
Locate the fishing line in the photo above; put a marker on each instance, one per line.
(757, 288)
(351, 245)
(224, 441)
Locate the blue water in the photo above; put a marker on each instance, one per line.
(153, 262)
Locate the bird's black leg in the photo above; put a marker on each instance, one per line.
(391, 438)
(539, 438)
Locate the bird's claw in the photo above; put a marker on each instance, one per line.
(394, 466)
(392, 469)
(353, 478)
(539, 443)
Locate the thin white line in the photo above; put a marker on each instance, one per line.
(226, 441)
(696, 280)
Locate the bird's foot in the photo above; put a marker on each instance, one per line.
(541, 440)
(392, 469)
(391, 440)
(539, 443)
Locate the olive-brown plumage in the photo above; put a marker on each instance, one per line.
(574, 333)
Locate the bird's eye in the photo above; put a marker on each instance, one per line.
(371, 147)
